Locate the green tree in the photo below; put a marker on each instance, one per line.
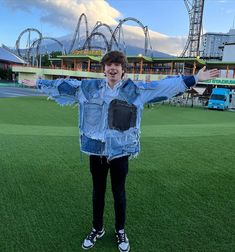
(45, 58)
(6, 74)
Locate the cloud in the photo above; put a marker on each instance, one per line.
(159, 42)
(65, 13)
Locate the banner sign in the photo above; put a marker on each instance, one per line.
(87, 52)
(226, 82)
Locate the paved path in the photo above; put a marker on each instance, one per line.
(6, 92)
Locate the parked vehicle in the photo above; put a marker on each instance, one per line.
(219, 99)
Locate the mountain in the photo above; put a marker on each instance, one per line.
(50, 45)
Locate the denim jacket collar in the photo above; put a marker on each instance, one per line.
(122, 83)
(116, 86)
(102, 83)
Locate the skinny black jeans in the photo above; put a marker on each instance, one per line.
(99, 167)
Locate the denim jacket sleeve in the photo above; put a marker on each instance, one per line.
(63, 91)
(164, 89)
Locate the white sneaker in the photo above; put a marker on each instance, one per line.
(122, 241)
(90, 240)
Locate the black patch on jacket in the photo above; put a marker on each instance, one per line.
(121, 115)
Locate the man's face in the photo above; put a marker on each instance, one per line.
(113, 72)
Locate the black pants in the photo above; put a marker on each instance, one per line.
(118, 170)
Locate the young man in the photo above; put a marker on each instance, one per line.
(110, 115)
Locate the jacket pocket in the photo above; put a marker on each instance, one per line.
(92, 114)
(125, 143)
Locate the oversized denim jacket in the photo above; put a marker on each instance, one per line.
(96, 137)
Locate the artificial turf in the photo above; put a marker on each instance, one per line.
(180, 189)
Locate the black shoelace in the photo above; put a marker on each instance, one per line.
(92, 235)
(121, 237)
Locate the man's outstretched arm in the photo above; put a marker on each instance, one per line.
(63, 91)
(171, 86)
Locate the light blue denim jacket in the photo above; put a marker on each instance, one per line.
(96, 137)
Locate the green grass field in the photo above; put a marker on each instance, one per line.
(180, 189)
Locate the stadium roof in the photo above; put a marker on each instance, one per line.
(7, 55)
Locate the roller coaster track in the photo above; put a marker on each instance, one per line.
(87, 43)
(29, 44)
(108, 44)
(100, 24)
(119, 27)
(77, 31)
(113, 41)
(36, 44)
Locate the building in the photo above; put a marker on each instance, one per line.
(229, 52)
(85, 65)
(212, 44)
(7, 59)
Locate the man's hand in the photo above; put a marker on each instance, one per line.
(204, 74)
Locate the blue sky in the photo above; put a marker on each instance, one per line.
(167, 19)
(171, 17)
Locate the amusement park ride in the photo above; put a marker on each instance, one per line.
(115, 42)
(195, 11)
(81, 59)
(115, 39)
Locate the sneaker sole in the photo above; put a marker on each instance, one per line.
(124, 250)
(87, 248)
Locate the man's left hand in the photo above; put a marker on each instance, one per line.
(204, 74)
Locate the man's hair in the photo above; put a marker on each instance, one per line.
(115, 57)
